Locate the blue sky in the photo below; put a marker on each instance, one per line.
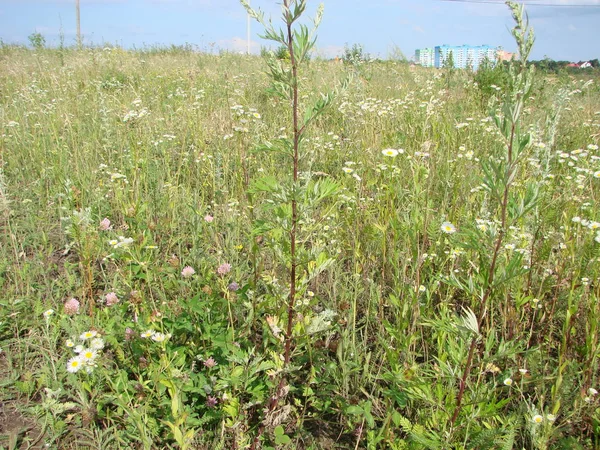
(563, 32)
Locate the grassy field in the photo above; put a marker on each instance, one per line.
(446, 288)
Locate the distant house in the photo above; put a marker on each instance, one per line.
(585, 65)
(573, 65)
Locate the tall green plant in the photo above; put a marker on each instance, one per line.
(499, 176)
(291, 199)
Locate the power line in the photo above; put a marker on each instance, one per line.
(552, 5)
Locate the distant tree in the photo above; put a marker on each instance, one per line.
(448, 62)
(595, 63)
(37, 40)
(354, 55)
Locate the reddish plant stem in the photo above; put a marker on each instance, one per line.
(490, 279)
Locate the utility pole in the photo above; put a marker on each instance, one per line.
(247, 31)
(77, 15)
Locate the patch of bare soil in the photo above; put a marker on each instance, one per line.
(16, 430)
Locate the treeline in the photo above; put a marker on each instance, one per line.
(549, 65)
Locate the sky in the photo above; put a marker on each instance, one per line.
(564, 29)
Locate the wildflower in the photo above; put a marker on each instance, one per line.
(104, 224)
(597, 174)
(537, 419)
(88, 355)
(422, 288)
(592, 391)
(74, 364)
(509, 246)
(97, 344)
(88, 335)
(159, 337)
(211, 401)
(508, 382)
(390, 152)
(233, 286)
(147, 334)
(78, 349)
(208, 218)
(523, 371)
(111, 299)
(129, 334)
(448, 228)
(576, 219)
(210, 363)
(187, 272)
(347, 170)
(224, 269)
(69, 343)
(551, 417)
(71, 307)
(48, 313)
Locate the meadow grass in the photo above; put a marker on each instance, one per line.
(185, 287)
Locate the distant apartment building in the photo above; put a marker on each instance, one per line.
(424, 57)
(503, 55)
(463, 56)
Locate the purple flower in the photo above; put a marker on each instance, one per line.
(211, 401)
(210, 363)
(129, 334)
(104, 224)
(111, 299)
(71, 307)
(224, 269)
(233, 286)
(187, 272)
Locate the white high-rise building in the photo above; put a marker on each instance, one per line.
(424, 57)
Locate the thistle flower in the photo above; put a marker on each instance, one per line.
(233, 286)
(129, 334)
(224, 269)
(71, 306)
(210, 363)
(211, 401)
(111, 299)
(104, 224)
(187, 272)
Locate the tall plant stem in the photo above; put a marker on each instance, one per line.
(297, 131)
(490, 278)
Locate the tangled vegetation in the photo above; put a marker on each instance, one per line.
(197, 253)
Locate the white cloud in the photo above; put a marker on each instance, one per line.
(238, 44)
